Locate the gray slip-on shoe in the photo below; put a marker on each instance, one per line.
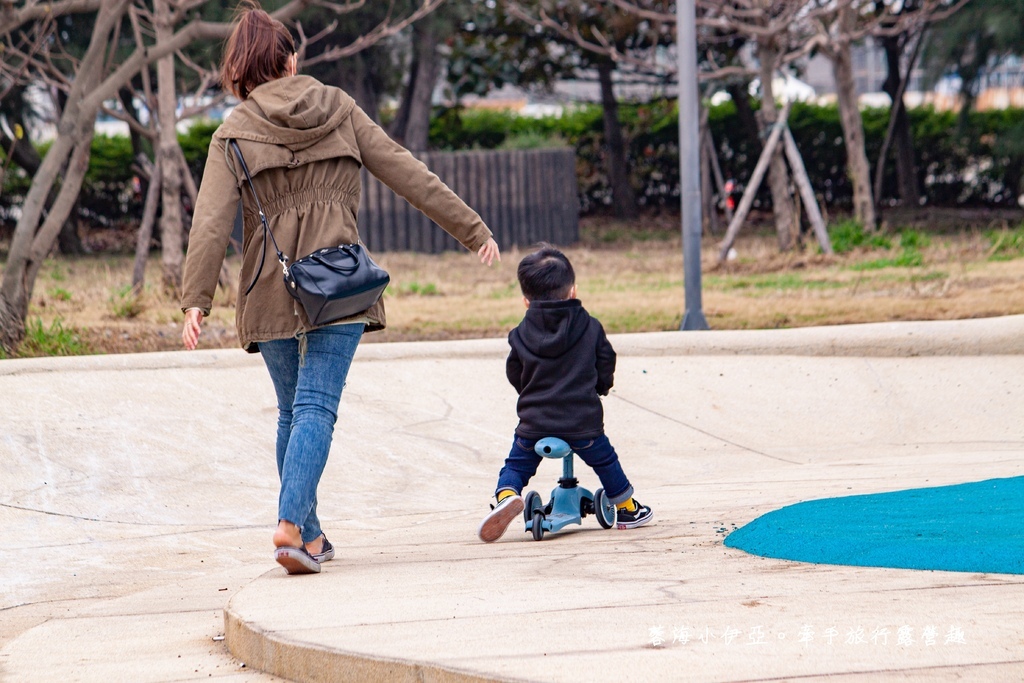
(326, 553)
(296, 560)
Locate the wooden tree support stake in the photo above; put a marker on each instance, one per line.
(716, 170)
(796, 165)
(707, 194)
(755, 182)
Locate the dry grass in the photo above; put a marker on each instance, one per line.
(631, 284)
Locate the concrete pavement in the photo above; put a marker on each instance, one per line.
(142, 493)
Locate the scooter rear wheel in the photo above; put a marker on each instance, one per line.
(532, 502)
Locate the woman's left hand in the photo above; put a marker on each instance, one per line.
(489, 252)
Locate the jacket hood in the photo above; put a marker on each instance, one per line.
(295, 112)
(551, 328)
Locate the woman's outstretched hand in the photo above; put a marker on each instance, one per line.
(190, 332)
(489, 252)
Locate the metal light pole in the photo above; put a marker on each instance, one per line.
(689, 162)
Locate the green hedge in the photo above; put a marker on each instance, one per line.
(110, 196)
(981, 166)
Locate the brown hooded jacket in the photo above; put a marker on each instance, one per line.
(304, 144)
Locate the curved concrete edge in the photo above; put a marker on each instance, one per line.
(280, 656)
(976, 337)
(160, 360)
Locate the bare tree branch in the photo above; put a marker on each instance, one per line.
(304, 41)
(11, 19)
(602, 46)
(206, 76)
(133, 123)
(26, 52)
(183, 7)
(643, 12)
(383, 30)
(147, 84)
(918, 20)
(766, 20)
(719, 72)
(810, 45)
(192, 112)
(112, 52)
(340, 9)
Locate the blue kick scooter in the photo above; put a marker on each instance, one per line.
(569, 503)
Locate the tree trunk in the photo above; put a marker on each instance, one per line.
(401, 121)
(783, 207)
(20, 150)
(171, 243)
(145, 236)
(970, 75)
(69, 241)
(125, 95)
(623, 197)
(24, 154)
(188, 182)
(906, 166)
(354, 76)
(745, 113)
(369, 97)
(33, 237)
(857, 167)
(413, 119)
(906, 160)
(29, 248)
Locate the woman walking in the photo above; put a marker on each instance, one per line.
(304, 144)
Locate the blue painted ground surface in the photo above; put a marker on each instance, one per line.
(976, 527)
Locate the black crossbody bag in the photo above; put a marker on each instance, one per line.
(331, 283)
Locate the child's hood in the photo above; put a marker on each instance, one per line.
(550, 328)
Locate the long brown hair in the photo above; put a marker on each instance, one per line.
(257, 51)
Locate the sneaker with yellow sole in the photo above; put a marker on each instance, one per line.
(624, 519)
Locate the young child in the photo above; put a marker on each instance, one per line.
(561, 363)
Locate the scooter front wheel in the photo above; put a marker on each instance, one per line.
(538, 525)
(604, 509)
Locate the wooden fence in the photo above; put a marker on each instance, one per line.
(524, 196)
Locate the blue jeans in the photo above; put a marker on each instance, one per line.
(522, 462)
(308, 383)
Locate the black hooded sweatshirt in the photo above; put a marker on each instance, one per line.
(560, 363)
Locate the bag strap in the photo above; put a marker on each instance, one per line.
(263, 219)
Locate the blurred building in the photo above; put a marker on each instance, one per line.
(1000, 87)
